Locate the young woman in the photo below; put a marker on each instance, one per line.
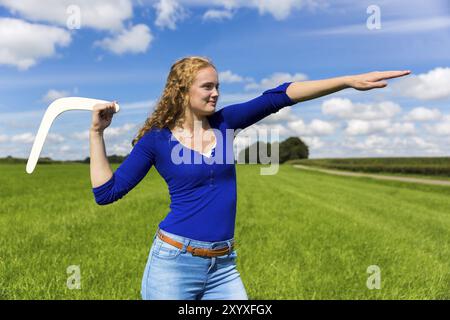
(193, 255)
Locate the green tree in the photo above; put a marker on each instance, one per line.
(293, 148)
(289, 149)
(254, 149)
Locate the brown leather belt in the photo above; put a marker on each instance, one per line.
(204, 252)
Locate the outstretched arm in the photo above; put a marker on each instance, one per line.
(307, 90)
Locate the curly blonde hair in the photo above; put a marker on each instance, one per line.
(169, 111)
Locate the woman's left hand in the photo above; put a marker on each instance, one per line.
(371, 80)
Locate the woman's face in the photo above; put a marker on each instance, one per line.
(204, 92)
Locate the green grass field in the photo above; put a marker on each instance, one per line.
(300, 235)
(438, 167)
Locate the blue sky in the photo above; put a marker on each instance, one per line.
(123, 51)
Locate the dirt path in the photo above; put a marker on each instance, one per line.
(376, 176)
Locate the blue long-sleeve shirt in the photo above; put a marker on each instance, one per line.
(203, 196)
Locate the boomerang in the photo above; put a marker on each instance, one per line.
(54, 110)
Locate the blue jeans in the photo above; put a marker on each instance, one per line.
(175, 274)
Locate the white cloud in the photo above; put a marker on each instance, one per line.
(20, 143)
(315, 128)
(229, 77)
(65, 148)
(145, 104)
(23, 138)
(97, 14)
(84, 135)
(298, 126)
(401, 128)
(110, 132)
(135, 40)
(261, 132)
(55, 138)
(346, 109)
(313, 142)
(375, 145)
(279, 9)
(360, 127)
(233, 98)
(122, 149)
(11, 121)
(285, 114)
(372, 143)
(423, 114)
(320, 127)
(275, 80)
(423, 144)
(119, 131)
(169, 12)
(441, 128)
(22, 44)
(217, 15)
(260, 129)
(426, 86)
(53, 94)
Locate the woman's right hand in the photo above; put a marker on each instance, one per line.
(102, 115)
